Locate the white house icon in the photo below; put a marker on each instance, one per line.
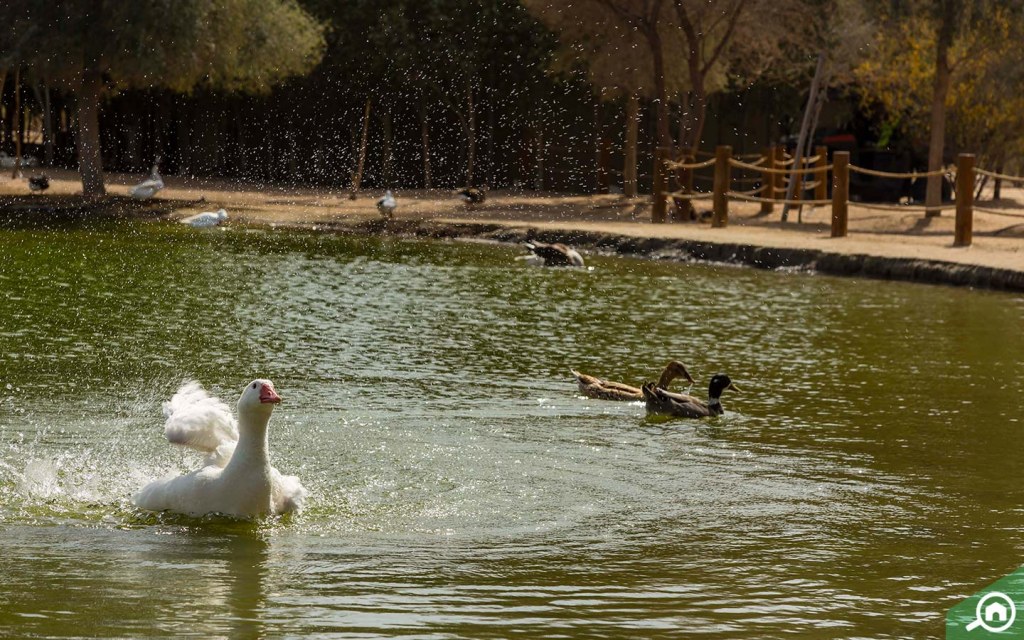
(996, 612)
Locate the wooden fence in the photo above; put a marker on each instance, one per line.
(772, 168)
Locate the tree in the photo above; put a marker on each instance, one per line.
(928, 48)
(617, 61)
(645, 17)
(986, 108)
(634, 45)
(94, 47)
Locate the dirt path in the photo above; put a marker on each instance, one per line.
(998, 238)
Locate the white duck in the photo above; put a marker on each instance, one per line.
(206, 218)
(148, 187)
(387, 205)
(236, 478)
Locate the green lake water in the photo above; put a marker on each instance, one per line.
(870, 475)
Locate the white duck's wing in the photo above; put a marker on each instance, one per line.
(197, 420)
(286, 494)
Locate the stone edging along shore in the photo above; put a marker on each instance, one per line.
(889, 268)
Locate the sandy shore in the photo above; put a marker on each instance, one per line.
(896, 237)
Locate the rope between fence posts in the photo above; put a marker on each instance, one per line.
(886, 174)
(740, 196)
(754, 167)
(999, 213)
(910, 209)
(682, 195)
(688, 165)
(751, 192)
(1000, 176)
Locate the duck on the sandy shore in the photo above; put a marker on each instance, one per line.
(148, 187)
(387, 205)
(473, 195)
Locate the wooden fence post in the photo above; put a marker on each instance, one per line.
(779, 179)
(660, 182)
(964, 200)
(768, 181)
(840, 192)
(604, 161)
(723, 170)
(821, 191)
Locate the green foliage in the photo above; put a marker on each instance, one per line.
(232, 44)
(983, 106)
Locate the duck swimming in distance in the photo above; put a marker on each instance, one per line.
(555, 254)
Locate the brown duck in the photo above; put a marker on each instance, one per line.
(606, 390)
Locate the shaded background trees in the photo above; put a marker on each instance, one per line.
(444, 93)
(91, 47)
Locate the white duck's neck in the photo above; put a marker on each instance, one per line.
(252, 448)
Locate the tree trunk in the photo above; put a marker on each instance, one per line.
(661, 95)
(428, 181)
(601, 177)
(357, 177)
(689, 139)
(90, 162)
(629, 183)
(801, 144)
(3, 80)
(389, 139)
(936, 144)
(470, 135)
(997, 185)
(19, 122)
(538, 159)
(47, 127)
(490, 167)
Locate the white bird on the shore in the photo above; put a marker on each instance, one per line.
(206, 218)
(8, 161)
(387, 205)
(236, 478)
(148, 187)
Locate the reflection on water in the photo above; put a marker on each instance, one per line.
(863, 482)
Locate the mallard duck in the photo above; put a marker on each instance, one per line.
(684, 406)
(606, 390)
(555, 254)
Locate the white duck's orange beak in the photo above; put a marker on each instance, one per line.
(268, 395)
